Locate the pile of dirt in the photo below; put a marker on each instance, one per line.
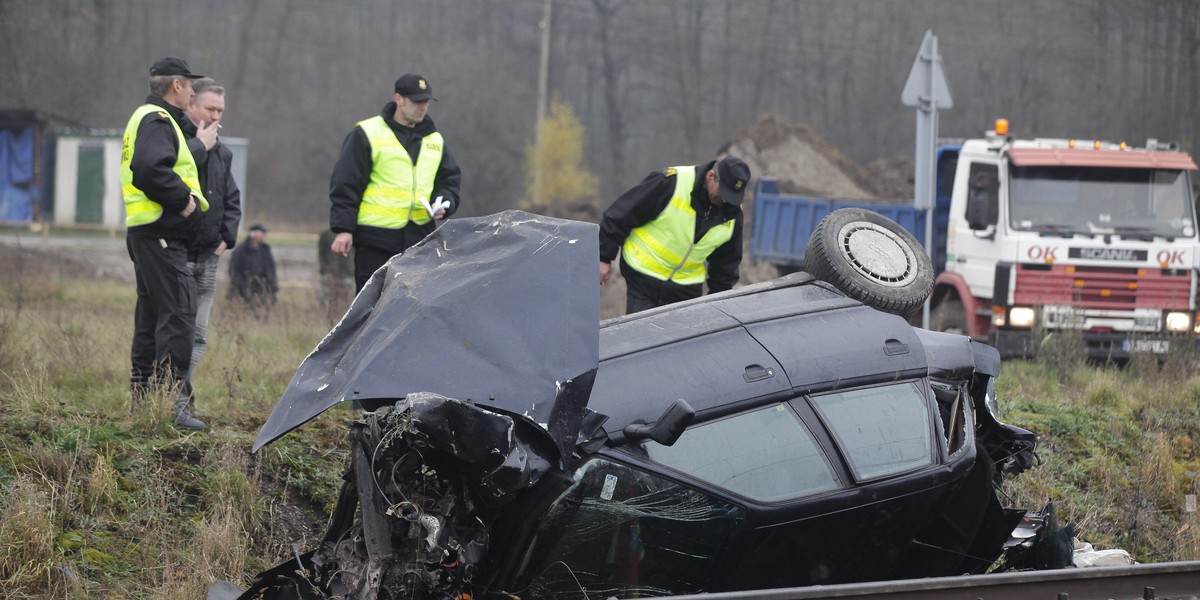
(804, 163)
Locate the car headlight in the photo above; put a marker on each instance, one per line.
(1178, 322)
(1021, 317)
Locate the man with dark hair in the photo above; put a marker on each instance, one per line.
(161, 187)
(217, 231)
(677, 230)
(394, 180)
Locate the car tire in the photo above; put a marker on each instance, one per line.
(870, 258)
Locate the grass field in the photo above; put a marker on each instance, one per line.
(96, 502)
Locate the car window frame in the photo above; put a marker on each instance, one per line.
(938, 446)
(801, 404)
(818, 436)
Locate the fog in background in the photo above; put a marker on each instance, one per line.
(655, 83)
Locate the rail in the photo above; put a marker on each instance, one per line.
(1159, 581)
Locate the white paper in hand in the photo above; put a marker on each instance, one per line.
(438, 204)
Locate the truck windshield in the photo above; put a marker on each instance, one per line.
(1098, 200)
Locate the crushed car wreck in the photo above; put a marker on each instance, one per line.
(781, 434)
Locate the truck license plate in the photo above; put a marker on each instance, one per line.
(1155, 346)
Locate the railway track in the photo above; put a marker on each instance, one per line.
(1161, 581)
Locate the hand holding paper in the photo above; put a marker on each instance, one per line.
(433, 209)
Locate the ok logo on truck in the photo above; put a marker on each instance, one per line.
(1043, 253)
(1169, 257)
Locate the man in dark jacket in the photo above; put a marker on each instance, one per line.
(163, 198)
(217, 231)
(394, 180)
(252, 272)
(677, 230)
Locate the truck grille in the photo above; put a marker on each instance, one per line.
(1107, 288)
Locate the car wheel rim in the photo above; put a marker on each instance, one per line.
(878, 254)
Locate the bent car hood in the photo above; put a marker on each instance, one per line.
(498, 310)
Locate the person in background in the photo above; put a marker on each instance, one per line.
(252, 272)
(217, 230)
(389, 163)
(163, 198)
(677, 230)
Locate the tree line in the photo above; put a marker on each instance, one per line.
(652, 83)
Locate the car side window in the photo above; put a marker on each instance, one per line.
(883, 430)
(766, 454)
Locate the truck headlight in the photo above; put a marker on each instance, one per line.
(1178, 322)
(1021, 317)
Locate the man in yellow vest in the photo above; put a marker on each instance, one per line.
(163, 200)
(394, 180)
(677, 230)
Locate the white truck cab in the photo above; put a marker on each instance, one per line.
(1056, 235)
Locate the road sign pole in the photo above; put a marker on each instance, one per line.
(926, 90)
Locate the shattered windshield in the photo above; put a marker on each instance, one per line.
(1135, 203)
(619, 531)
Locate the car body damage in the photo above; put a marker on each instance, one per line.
(781, 434)
(499, 310)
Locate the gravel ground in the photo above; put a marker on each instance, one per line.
(106, 257)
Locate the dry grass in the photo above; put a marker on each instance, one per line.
(97, 501)
(26, 535)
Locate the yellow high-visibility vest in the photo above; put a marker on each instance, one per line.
(663, 248)
(139, 208)
(390, 199)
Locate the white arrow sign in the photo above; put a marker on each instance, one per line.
(926, 82)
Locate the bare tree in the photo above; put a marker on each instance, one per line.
(607, 10)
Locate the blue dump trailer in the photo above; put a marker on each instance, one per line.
(783, 223)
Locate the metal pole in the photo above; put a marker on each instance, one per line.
(543, 84)
(926, 90)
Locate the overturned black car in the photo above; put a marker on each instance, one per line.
(782, 434)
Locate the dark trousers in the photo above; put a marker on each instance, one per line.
(367, 259)
(636, 302)
(164, 321)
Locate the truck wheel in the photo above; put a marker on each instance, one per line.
(872, 259)
(949, 317)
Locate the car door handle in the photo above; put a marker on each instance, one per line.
(757, 373)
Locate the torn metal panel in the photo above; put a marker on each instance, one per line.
(425, 474)
(498, 310)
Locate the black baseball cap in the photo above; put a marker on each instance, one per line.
(258, 227)
(734, 176)
(173, 66)
(414, 87)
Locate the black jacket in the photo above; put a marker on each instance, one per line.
(224, 198)
(252, 272)
(642, 204)
(352, 172)
(152, 165)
